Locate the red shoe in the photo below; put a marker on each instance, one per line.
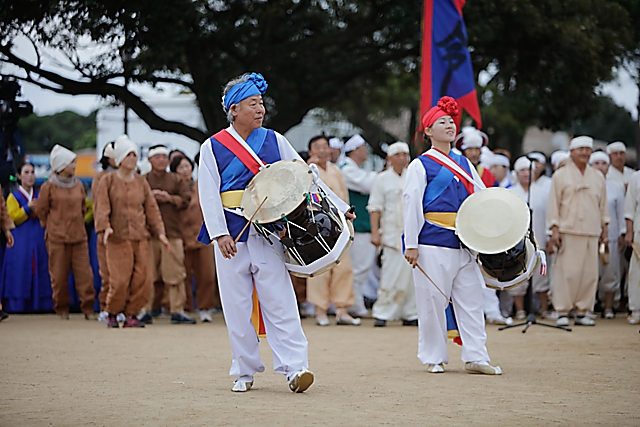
(112, 321)
(133, 322)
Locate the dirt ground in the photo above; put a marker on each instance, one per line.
(79, 373)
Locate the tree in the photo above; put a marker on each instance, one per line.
(307, 50)
(543, 58)
(69, 129)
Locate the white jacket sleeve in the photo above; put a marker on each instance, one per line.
(413, 194)
(209, 191)
(358, 179)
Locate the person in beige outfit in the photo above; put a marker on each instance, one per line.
(577, 215)
(336, 285)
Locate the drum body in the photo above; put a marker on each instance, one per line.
(313, 234)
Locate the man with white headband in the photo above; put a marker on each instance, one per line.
(609, 267)
(500, 169)
(222, 177)
(335, 146)
(577, 216)
(396, 295)
(538, 203)
(470, 142)
(173, 196)
(618, 170)
(359, 183)
(632, 239)
(559, 159)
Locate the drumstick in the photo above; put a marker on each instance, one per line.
(432, 282)
(250, 220)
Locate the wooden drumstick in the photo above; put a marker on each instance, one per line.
(432, 282)
(250, 220)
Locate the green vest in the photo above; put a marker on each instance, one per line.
(360, 201)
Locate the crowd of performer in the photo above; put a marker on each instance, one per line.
(584, 205)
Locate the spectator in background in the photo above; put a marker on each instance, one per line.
(173, 196)
(199, 259)
(500, 169)
(128, 210)
(61, 208)
(337, 154)
(632, 238)
(7, 225)
(25, 284)
(538, 200)
(470, 142)
(618, 171)
(176, 153)
(107, 165)
(577, 215)
(359, 183)
(609, 272)
(336, 285)
(396, 295)
(559, 159)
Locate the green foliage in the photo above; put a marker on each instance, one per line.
(67, 128)
(611, 123)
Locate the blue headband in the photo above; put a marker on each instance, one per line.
(255, 85)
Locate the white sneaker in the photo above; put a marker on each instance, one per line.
(121, 317)
(205, 316)
(241, 386)
(435, 369)
(482, 368)
(103, 316)
(591, 315)
(562, 321)
(500, 320)
(634, 320)
(550, 315)
(521, 315)
(322, 320)
(608, 313)
(301, 381)
(584, 321)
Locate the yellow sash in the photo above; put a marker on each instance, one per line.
(443, 219)
(232, 199)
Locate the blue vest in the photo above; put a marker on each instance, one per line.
(235, 176)
(444, 193)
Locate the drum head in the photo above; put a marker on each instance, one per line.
(492, 221)
(285, 184)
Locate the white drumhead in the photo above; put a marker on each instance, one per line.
(285, 184)
(492, 221)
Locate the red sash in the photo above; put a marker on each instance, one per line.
(458, 171)
(232, 144)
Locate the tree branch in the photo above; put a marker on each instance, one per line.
(102, 88)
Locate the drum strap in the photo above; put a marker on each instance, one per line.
(467, 179)
(248, 158)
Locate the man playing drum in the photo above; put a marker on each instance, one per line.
(225, 170)
(437, 184)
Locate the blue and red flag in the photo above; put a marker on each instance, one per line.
(446, 62)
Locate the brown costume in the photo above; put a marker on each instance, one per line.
(61, 212)
(168, 267)
(127, 207)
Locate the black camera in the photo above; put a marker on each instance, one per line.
(11, 110)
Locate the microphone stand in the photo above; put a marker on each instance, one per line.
(528, 298)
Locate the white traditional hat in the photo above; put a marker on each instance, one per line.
(60, 158)
(599, 155)
(538, 157)
(354, 142)
(486, 157)
(492, 221)
(521, 163)
(122, 147)
(470, 137)
(616, 147)
(581, 141)
(158, 150)
(501, 160)
(558, 157)
(108, 151)
(335, 143)
(397, 147)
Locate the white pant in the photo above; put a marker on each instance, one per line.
(363, 254)
(257, 260)
(457, 274)
(396, 296)
(491, 303)
(609, 275)
(634, 284)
